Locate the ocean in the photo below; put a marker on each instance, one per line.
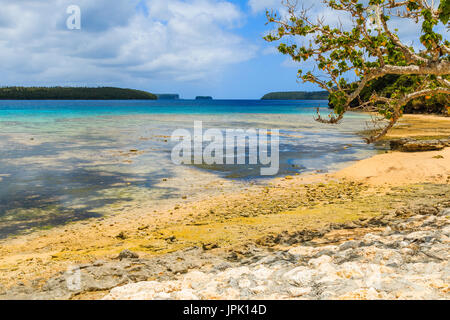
(64, 161)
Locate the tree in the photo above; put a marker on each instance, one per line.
(371, 50)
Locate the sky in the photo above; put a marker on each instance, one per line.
(189, 47)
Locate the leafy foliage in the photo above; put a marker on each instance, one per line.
(386, 86)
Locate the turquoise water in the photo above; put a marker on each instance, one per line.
(27, 110)
(65, 161)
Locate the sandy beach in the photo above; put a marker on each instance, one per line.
(236, 220)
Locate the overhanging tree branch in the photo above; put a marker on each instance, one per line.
(370, 50)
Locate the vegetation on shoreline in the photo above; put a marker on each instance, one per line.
(73, 93)
(297, 95)
(386, 86)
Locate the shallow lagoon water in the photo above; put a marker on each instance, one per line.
(65, 161)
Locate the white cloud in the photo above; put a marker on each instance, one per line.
(175, 40)
(263, 5)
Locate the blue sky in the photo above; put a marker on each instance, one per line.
(190, 47)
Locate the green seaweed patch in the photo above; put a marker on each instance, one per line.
(218, 232)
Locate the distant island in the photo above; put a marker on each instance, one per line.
(73, 93)
(297, 95)
(203, 98)
(168, 96)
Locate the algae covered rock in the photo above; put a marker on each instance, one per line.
(412, 145)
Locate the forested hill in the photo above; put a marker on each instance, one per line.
(297, 95)
(71, 93)
(168, 96)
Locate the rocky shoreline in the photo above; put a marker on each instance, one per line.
(399, 255)
(408, 260)
(404, 261)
